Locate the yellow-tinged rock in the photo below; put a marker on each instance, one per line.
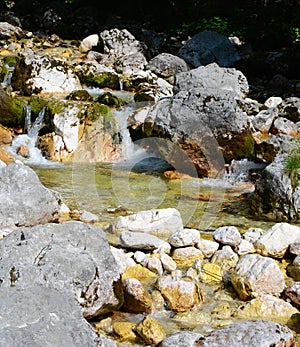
(4, 52)
(141, 273)
(150, 330)
(267, 307)
(125, 331)
(211, 273)
(185, 257)
(5, 135)
(6, 157)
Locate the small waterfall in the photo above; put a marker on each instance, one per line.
(129, 149)
(24, 146)
(8, 76)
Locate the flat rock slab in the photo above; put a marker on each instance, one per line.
(72, 257)
(162, 221)
(38, 316)
(258, 333)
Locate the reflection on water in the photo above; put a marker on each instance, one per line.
(102, 189)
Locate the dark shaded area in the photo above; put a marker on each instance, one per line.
(263, 23)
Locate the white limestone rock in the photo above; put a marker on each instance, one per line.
(276, 241)
(228, 235)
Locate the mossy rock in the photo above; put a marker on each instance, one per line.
(110, 100)
(102, 80)
(12, 112)
(79, 95)
(10, 61)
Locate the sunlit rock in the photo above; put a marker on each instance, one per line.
(276, 241)
(151, 330)
(256, 275)
(228, 235)
(267, 306)
(185, 256)
(185, 237)
(158, 222)
(180, 294)
(136, 297)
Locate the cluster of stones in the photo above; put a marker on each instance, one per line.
(159, 271)
(176, 273)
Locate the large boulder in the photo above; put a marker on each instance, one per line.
(207, 47)
(213, 77)
(38, 73)
(274, 197)
(255, 275)
(258, 333)
(39, 316)
(199, 126)
(24, 201)
(203, 123)
(71, 257)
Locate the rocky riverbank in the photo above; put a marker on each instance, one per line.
(61, 282)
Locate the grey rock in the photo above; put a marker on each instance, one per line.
(8, 31)
(120, 42)
(167, 262)
(39, 316)
(276, 241)
(24, 201)
(207, 47)
(73, 256)
(36, 73)
(181, 339)
(198, 124)
(253, 234)
(124, 260)
(208, 247)
(264, 119)
(226, 258)
(154, 264)
(255, 275)
(88, 43)
(274, 196)
(258, 333)
(228, 235)
(273, 101)
(212, 77)
(167, 65)
(142, 241)
(245, 247)
(130, 63)
(251, 107)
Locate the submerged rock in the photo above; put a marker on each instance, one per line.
(71, 257)
(136, 297)
(150, 330)
(180, 294)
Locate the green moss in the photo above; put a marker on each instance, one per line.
(17, 114)
(110, 100)
(292, 163)
(103, 80)
(245, 149)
